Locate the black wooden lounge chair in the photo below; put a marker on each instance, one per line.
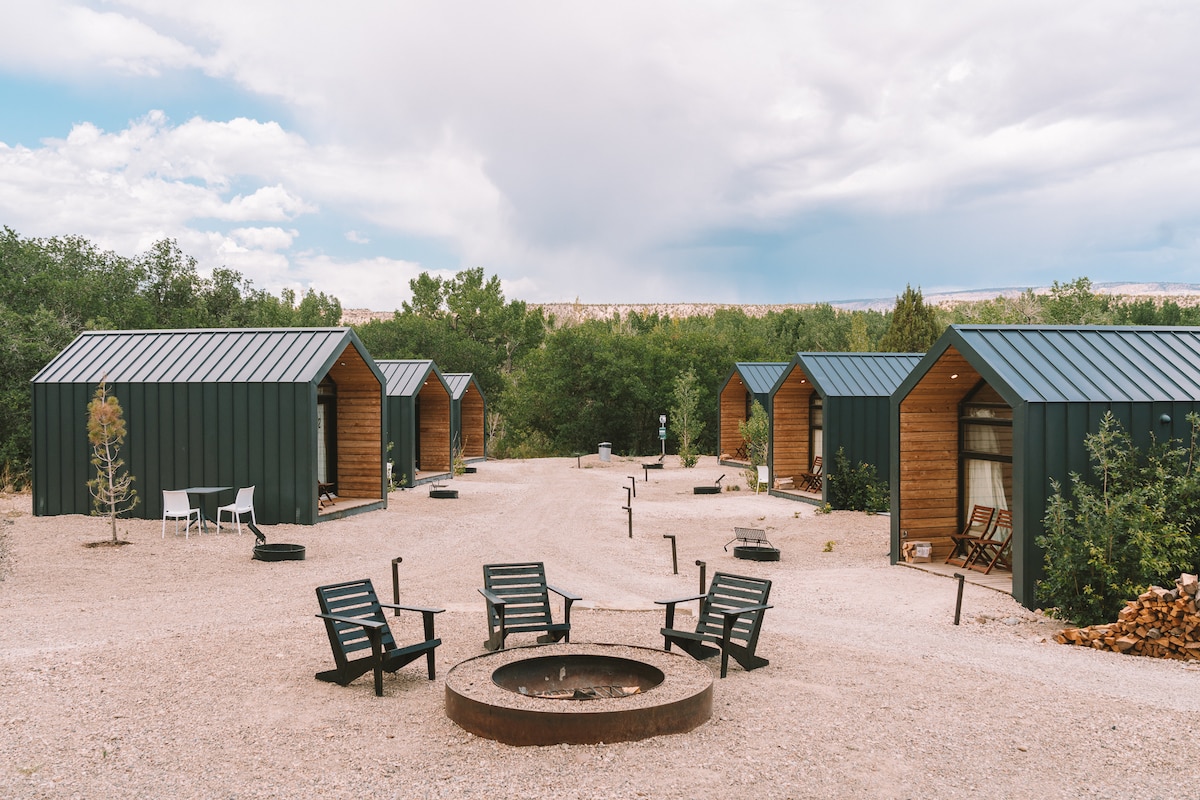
(518, 601)
(988, 553)
(360, 637)
(731, 616)
(979, 526)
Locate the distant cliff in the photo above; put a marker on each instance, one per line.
(1185, 294)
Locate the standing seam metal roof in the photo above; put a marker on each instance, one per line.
(267, 355)
(760, 376)
(405, 376)
(858, 374)
(458, 383)
(1055, 364)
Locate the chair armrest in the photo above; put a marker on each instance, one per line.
(492, 598)
(365, 623)
(565, 595)
(679, 600)
(737, 612)
(413, 608)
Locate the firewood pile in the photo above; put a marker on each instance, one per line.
(1161, 623)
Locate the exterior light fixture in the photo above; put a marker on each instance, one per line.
(954, 377)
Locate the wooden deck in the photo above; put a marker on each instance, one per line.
(346, 506)
(796, 494)
(997, 580)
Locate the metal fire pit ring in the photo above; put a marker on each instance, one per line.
(752, 552)
(681, 702)
(279, 552)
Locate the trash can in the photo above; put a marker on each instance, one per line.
(606, 451)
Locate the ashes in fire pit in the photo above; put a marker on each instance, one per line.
(577, 677)
(631, 693)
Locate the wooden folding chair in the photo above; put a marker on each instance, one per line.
(979, 526)
(811, 481)
(994, 550)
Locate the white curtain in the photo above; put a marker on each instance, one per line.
(985, 479)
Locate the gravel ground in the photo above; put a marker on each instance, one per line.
(183, 668)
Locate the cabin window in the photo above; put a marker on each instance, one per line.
(985, 450)
(327, 433)
(816, 427)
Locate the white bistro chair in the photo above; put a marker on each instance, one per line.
(176, 506)
(243, 504)
(764, 479)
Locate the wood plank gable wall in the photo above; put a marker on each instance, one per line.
(359, 427)
(790, 455)
(471, 424)
(928, 479)
(433, 426)
(732, 411)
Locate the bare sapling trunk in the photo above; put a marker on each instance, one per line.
(112, 489)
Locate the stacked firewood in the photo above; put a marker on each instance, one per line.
(1161, 623)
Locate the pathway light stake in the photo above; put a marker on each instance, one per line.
(703, 583)
(630, 510)
(674, 558)
(958, 605)
(396, 584)
(629, 495)
(633, 483)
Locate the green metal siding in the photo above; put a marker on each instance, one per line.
(1056, 379)
(860, 426)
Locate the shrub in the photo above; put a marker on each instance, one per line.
(856, 488)
(1135, 526)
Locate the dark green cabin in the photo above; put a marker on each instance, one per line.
(826, 401)
(418, 414)
(468, 415)
(279, 409)
(747, 381)
(993, 413)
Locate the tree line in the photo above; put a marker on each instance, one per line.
(550, 389)
(52, 289)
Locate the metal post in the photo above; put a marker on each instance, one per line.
(633, 483)
(396, 584)
(703, 582)
(630, 510)
(958, 605)
(674, 558)
(646, 475)
(628, 495)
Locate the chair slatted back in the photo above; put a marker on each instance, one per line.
(728, 592)
(981, 519)
(355, 599)
(817, 466)
(1002, 527)
(523, 588)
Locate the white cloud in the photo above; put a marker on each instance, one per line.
(604, 151)
(67, 38)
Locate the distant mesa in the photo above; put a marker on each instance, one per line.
(1185, 294)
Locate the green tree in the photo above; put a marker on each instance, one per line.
(685, 416)
(856, 487)
(1134, 526)
(755, 433)
(112, 489)
(914, 327)
(1075, 303)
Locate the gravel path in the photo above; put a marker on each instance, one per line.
(183, 668)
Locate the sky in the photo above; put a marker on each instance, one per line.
(679, 151)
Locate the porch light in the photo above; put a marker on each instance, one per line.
(954, 377)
